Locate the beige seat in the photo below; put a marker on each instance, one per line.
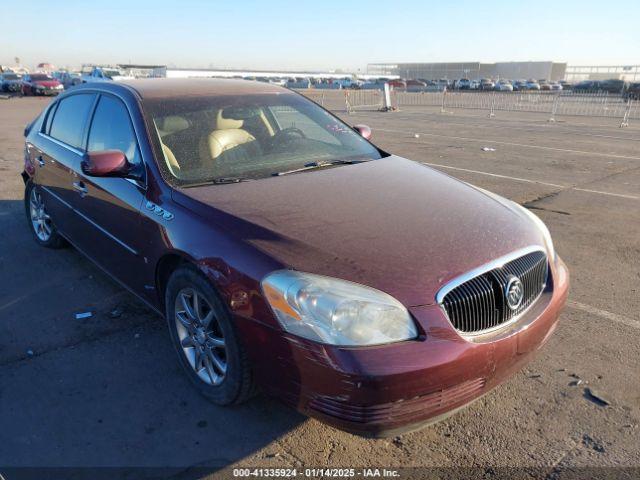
(229, 140)
(168, 126)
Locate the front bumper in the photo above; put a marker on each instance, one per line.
(386, 390)
(47, 91)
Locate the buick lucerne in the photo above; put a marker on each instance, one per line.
(290, 254)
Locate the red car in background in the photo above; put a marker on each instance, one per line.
(40, 84)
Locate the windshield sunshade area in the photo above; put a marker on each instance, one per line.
(249, 137)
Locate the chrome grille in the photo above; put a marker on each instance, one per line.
(480, 304)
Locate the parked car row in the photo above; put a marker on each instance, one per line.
(30, 84)
(609, 86)
(54, 82)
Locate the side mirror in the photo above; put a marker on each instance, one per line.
(106, 163)
(363, 130)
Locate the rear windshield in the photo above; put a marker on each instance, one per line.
(249, 137)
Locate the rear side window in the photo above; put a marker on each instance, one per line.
(52, 112)
(70, 119)
(111, 129)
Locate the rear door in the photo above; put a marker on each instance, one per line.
(109, 207)
(57, 153)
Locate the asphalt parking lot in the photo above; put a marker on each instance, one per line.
(108, 391)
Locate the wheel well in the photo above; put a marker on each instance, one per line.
(166, 266)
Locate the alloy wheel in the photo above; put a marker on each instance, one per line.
(200, 336)
(40, 219)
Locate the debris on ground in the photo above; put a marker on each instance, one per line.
(83, 315)
(596, 397)
(417, 135)
(591, 442)
(488, 149)
(575, 383)
(272, 455)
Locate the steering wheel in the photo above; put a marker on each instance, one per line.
(286, 135)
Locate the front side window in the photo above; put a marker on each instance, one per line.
(249, 136)
(111, 129)
(70, 119)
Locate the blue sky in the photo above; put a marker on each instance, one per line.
(318, 35)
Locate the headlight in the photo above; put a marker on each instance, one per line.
(329, 310)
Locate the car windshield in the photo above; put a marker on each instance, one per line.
(250, 136)
(41, 77)
(10, 76)
(111, 73)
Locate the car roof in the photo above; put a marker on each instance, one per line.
(158, 88)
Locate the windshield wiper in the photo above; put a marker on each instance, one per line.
(217, 181)
(314, 165)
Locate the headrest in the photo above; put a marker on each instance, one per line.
(171, 124)
(224, 122)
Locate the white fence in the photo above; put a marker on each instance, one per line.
(553, 104)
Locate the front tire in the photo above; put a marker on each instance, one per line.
(40, 223)
(206, 340)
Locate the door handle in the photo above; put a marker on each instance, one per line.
(80, 188)
(41, 161)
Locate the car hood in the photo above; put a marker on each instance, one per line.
(393, 224)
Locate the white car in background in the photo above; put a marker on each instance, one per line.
(105, 74)
(556, 87)
(504, 86)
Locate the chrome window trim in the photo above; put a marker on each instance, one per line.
(487, 267)
(62, 144)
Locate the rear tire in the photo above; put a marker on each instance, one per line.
(40, 223)
(206, 340)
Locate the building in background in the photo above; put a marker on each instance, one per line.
(630, 73)
(472, 70)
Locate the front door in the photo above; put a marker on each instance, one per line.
(109, 207)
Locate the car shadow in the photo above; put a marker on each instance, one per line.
(103, 389)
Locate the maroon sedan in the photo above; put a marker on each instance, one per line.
(40, 84)
(289, 253)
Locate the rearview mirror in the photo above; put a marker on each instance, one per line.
(106, 163)
(363, 130)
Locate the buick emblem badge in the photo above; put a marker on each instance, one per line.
(514, 292)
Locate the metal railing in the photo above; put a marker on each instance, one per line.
(363, 100)
(553, 104)
(600, 104)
